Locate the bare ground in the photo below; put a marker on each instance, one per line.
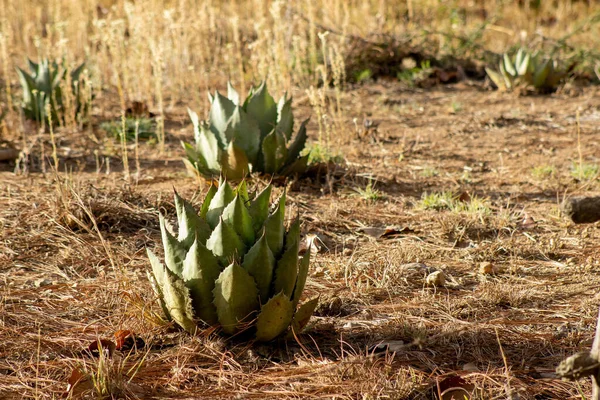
(72, 260)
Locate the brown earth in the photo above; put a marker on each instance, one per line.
(73, 263)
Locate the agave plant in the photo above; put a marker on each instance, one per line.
(233, 264)
(527, 69)
(42, 85)
(255, 135)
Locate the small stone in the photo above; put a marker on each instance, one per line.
(42, 282)
(487, 268)
(471, 367)
(437, 278)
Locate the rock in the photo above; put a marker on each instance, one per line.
(437, 278)
(582, 210)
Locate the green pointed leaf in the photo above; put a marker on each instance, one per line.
(302, 276)
(298, 144)
(236, 214)
(242, 191)
(292, 236)
(274, 318)
(220, 200)
(540, 75)
(175, 251)
(286, 271)
(285, 117)
(260, 264)
(302, 316)
(232, 94)
(274, 152)
(259, 208)
(225, 244)
(508, 80)
(234, 162)
(196, 161)
(508, 65)
(210, 194)
(207, 144)
(178, 301)
(220, 111)
(297, 167)
(523, 66)
(191, 226)
(156, 277)
(200, 271)
(235, 297)
(275, 230)
(261, 106)
(244, 131)
(497, 78)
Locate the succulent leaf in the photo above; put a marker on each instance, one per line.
(286, 271)
(259, 208)
(292, 236)
(236, 214)
(235, 297)
(302, 276)
(275, 230)
(157, 280)
(232, 94)
(260, 263)
(220, 111)
(298, 144)
(261, 106)
(225, 243)
(285, 117)
(274, 152)
(200, 271)
(274, 318)
(244, 131)
(210, 194)
(178, 301)
(220, 200)
(303, 315)
(175, 251)
(234, 162)
(191, 226)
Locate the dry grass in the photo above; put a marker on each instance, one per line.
(72, 242)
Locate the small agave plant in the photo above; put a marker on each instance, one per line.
(239, 138)
(527, 69)
(233, 264)
(42, 85)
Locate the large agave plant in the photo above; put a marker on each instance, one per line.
(255, 135)
(527, 69)
(233, 264)
(42, 85)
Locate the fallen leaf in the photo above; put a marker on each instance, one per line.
(107, 346)
(77, 383)
(126, 340)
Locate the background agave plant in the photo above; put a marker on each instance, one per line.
(233, 264)
(527, 69)
(250, 136)
(42, 85)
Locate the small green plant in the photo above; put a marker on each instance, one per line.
(526, 69)
(246, 137)
(319, 154)
(44, 84)
(363, 75)
(584, 172)
(542, 172)
(448, 201)
(369, 193)
(145, 128)
(412, 74)
(233, 264)
(429, 172)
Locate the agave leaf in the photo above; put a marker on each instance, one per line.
(234, 162)
(208, 146)
(303, 315)
(232, 94)
(156, 277)
(210, 194)
(298, 144)
(523, 65)
(275, 230)
(292, 236)
(220, 111)
(33, 66)
(195, 160)
(260, 263)
(508, 65)
(302, 276)
(286, 271)
(259, 208)
(242, 191)
(285, 117)
(191, 226)
(508, 79)
(497, 78)
(178, 301)
(274, 152)
(297, 167)
(540, 75)
(235, 297)
(220, 200)
(236, 214)
(225, 243)
(200, 271)
(77, 72)
(274, 318)
(261, 106)
(175, 251)
(244, 131)
(211, 98)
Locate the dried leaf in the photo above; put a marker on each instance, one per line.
(107, 346)
(126, 340)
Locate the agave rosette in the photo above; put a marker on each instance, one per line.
(233, 264)
(239, 138)
(527, 69)
(42, 85)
